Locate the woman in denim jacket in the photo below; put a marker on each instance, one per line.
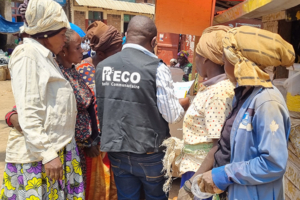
(259, 124)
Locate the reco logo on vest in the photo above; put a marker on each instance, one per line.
(120, 78)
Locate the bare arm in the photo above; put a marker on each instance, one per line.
(209, 160)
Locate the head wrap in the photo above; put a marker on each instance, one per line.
(103, 38)
(210, 44)
(251, 50)
(183, 53)
(173, 60)
(43, 17)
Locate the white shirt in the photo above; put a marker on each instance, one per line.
(168, 104)
(45, 102)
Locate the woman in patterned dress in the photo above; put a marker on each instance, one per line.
(86, 130)
(42, 160)
(106, 41)
(204, 119)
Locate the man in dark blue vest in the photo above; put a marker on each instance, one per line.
(136, 101)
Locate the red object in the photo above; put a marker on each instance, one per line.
(8, 115)
(184, 17)
(188, 43)
(167, 46)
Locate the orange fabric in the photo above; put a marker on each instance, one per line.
(102, 185)
(88, 162)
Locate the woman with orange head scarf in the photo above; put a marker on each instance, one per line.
(105, 41)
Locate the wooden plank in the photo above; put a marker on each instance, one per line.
(287, 198)
(293, 174)
(293, 158)
(274, 16)
(194, 67)
(291, 148)
(290, 190)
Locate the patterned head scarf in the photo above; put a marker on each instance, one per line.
(251, 50)
(103, 38)
(183, 53)
(210, 44)
(43, 18)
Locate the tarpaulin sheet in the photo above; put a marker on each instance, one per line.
(77, 30)
(9, 27)
(14, 27)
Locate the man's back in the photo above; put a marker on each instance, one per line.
(127, 103)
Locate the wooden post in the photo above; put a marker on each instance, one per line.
(195, 46)
(194, 66)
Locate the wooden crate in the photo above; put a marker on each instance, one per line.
(292, 175)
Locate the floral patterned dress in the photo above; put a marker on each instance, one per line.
(86, 129)
(29, 181)
(101, 185)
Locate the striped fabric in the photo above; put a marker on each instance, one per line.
(167, 102)
(251, 50)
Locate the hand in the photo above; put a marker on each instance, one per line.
(184, 195)
(54, 169)
(15, 122)
(92, 151)
(185, 103)
(207, 184)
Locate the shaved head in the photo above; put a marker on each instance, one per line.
(141, 30)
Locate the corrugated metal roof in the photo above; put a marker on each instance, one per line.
(254, 9)
(119, 5)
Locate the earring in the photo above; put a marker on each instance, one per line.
(64, 54)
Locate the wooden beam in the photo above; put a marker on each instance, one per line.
(194, 66)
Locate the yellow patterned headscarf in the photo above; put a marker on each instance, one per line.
(210, 44)
(251, 50)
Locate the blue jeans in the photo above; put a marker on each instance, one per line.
(131, 171)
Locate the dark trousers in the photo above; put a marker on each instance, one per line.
(131, 171)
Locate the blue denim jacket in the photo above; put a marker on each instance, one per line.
(258, 149)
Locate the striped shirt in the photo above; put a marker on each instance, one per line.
(167, 102)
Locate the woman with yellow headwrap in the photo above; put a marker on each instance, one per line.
(204, 119)
(257, 130)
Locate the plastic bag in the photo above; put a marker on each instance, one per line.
(292, 84)
(196, 190)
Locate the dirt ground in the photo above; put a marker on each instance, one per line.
(6, 103)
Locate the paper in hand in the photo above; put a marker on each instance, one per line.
(181, 88)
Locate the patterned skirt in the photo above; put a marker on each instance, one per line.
(29, 181)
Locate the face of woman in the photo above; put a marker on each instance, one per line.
(181, 60)
(56, 42)
(229, 70)
(200, 65)
(73, 53)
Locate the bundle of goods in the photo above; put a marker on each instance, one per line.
(292, 175)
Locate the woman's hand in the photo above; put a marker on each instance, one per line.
(93, 151)
(54, 169)
(185, 103)
(207, 184)
(15, 122)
